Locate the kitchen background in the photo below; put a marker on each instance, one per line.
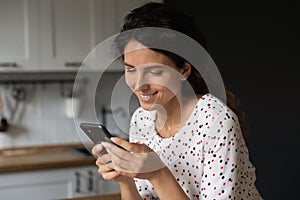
(45, 115)
(255, 46)
(42, 45)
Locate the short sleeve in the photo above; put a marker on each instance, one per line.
(227, 171)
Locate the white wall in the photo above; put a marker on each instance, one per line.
(41, 119)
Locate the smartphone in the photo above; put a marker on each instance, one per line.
(97, 133)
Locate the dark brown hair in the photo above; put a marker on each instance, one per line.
(163, 16)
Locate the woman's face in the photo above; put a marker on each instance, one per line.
(152, 76)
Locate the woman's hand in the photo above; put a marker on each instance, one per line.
(137, 161)
(103, 162)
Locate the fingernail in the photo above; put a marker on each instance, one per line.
(98, 148)
(114, 139)
(105, 144)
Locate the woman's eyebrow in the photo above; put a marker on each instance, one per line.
(147, 67)
(129, 65)
(153, 67)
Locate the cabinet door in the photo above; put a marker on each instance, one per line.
(19, 35)
(36, 185)
(57, 183)
(85, 181)
(70, 29)
(67, 33)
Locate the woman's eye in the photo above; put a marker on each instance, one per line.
(131, 70)
(156, 72)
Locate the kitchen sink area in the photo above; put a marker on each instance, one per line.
(53, 172)
(19, 151)
(41, 157)
(27, 151)
(81, 151)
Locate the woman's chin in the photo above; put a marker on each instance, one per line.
(151, 107)
(148, 106)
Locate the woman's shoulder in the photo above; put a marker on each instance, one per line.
(210, 111)
(212, 100)
(214, 106)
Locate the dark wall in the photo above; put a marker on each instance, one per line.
(256, 47)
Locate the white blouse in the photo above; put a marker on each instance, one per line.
(208, 156)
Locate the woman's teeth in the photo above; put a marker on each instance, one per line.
(147, 96)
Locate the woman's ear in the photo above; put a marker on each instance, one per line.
(186, 71)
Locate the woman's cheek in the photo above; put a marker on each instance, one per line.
(130, 82)
(171, 83)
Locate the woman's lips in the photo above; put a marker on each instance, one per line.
(147, 97)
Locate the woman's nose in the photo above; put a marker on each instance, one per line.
(141, 82)
(142, 87)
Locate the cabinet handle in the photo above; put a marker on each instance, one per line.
(8, 64)
(77, 186)
(91, 181)
(73, 64)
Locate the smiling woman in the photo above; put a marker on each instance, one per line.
(182, 145)
(151, 76)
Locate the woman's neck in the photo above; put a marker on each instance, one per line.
(171, 117)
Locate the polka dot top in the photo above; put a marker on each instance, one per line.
(208, 156)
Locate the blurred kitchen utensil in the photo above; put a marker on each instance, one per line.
(3, 120)
(19, 95)
(3, 125)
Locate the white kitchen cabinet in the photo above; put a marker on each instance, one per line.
(67, 32)
(70, 29)
(56, 35)
(55, 183)
(19, 35)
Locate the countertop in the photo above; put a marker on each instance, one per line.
(101, 197)
(28, 158)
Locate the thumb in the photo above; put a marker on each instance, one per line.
(131, 147)
(96, 150)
